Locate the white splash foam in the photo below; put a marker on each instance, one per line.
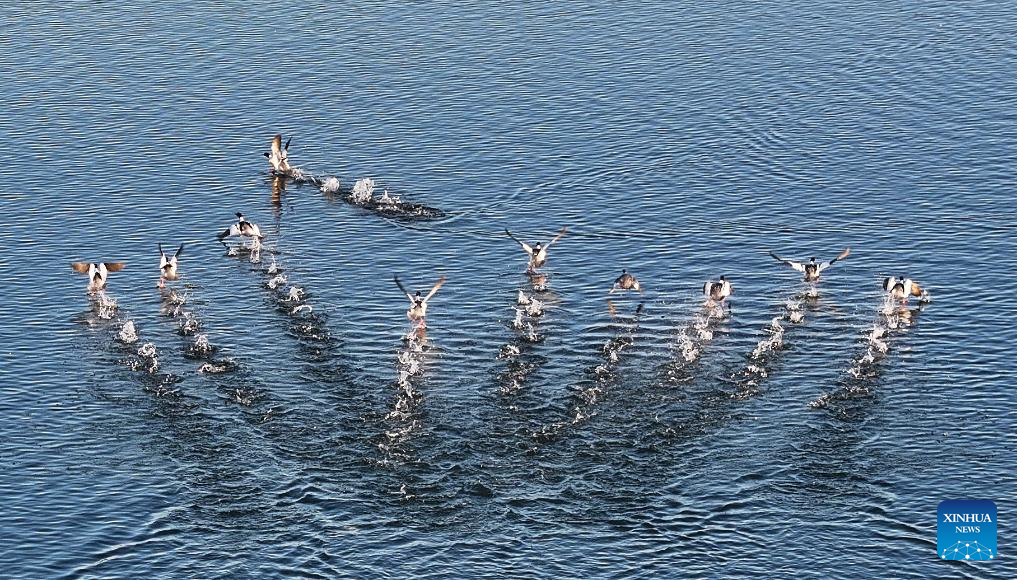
(277, 281)
(331, 185)
(386, 199)
(363, 191)
(296, 294)
(128, 334)
(535, 307)
(105, 306)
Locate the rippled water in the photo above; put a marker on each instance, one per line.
(274, 414)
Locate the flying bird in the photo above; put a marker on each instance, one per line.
(901, 288)
(418, 305)
(242, 228)
(537, 252)
(97, 273)
(168, 265)
(718, 291)
(278, 156)
(812, 268)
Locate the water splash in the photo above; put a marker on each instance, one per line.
(363, 191)
(128, 334)
(105, 306)
(330, 185)
(149, 358)
(188, 325)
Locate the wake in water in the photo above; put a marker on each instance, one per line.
(405, 416)
(362, 196)
(859, 381)
(521, 362)
(691, 340)
(766, 354)
(144, 360)
(599, 378)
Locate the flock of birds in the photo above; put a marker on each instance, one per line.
(716, 292)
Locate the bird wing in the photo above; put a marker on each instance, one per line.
(163, 260)
(888, 283)
(403, 288)
(435, 289)
(841, 256)
(114, 266)
(80, 267)
(277, 146)
(287, 147)
(707, 286)
(558, 237)
(796, 265)
(526, 247)
(176, 254)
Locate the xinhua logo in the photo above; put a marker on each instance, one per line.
(966, 530)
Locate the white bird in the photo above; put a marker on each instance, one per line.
(537, 252)
(625, 282)
(718, 291)
(242, 228)
(901, 288)
(168, 265)
(278, 157)
(97, 273)
(418, 305)
(812, 268)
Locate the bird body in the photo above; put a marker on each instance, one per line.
(901, 288)
(168, 265)
(98, 273)
(278, 158)
(537, 252)
(418, 305)
(625, 282)
(242, 228)
(812, 268)
(718, 291)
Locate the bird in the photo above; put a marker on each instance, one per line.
(812, 268)
(718, 291)
(537, 253)
(901, 288)
(242, 228)
(168, 265)
(278, 158)
(97, 273)
(625, 282)
(418, 305)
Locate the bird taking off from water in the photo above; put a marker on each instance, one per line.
(278, 156)
(903, 288)
(418, 305)
(812, 268)
(537, 252)
(717, 291)
(97, 273)
(168, 265)
(625, 282)
(242, 228)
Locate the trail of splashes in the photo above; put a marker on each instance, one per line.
(602, 376)
(762, 358)
(105, 306)
(404, 417)
(865, 367)
(525, 324)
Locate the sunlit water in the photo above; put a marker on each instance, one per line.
(274, 412)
